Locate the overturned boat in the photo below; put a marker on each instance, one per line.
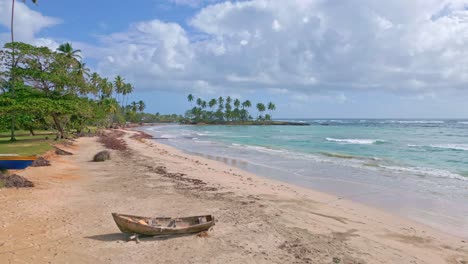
(161, 226)
(15, 162)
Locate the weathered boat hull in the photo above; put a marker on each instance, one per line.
(16, 163)
(160, 226)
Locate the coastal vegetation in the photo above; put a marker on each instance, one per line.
(43, 89)
(227, 111)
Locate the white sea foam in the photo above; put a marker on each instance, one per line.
(355, 141)
(420, 121)
(442, 146)
(168, 136)
(463, 122)
(427, 171)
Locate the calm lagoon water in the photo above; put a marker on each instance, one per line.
(416, 168)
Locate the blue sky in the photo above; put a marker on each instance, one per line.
(314, 58)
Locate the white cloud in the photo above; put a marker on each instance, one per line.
(306, 46)
(27, 24)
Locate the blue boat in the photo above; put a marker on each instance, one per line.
(11, 162)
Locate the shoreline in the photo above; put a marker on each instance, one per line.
(259, 220)
(377, 189)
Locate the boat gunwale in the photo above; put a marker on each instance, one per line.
(18, 158)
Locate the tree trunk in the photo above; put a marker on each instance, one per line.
(31, 131)
(12, 138)
(58, 126)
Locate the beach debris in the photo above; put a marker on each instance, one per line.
(40, 162)
(203, 234)
(113, 140)
(102, 156)
(62, 152)
(141, 135)
(14, 181)
(135, 237)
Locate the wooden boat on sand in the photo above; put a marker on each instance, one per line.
(15, 162)
(159, 226)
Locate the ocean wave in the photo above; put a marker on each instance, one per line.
(413, 121)
(427, 172)
(458, 147)
(463, 122)
(356, 141)
(168, 136)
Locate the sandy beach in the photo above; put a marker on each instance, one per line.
(66, 218)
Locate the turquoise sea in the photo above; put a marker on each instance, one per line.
(417, 168)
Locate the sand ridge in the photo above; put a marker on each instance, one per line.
(67, 217)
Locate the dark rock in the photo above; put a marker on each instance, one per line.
(40, 162)
(102, 156)
(14, 181)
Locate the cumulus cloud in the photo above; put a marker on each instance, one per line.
(193, 3)
(303, 46)
(28, 23)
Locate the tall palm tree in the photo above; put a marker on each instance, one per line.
(67, 49)
(237, 103)
(271, 107)
(127, 89)
(190, 98)
(134, 106)
(106, 88)
(13, 63)
(261, 108)
(141, 106)
(221, 102)
(95, 79)
(246, 104)
(82, 70)
(212, 103)
(119, 84)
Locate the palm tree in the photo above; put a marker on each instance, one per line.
(81, 69)
(127, 89)
(110, 106)
(141, 106)
(134, 106)
(261, 108)
(106, 88)
(271, 108)
(237, 103)
(67, 49)
(212, 103)
(190, 98)
(119, 84)
(13, 64)
(95, 80)
(199, 101)
(246, 104)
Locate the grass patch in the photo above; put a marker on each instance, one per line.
(2, 184)
(21, 133)
(26, 145)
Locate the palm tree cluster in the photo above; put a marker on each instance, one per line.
(113, 94)
(221, 110)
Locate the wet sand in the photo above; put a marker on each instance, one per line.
(66, 218)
